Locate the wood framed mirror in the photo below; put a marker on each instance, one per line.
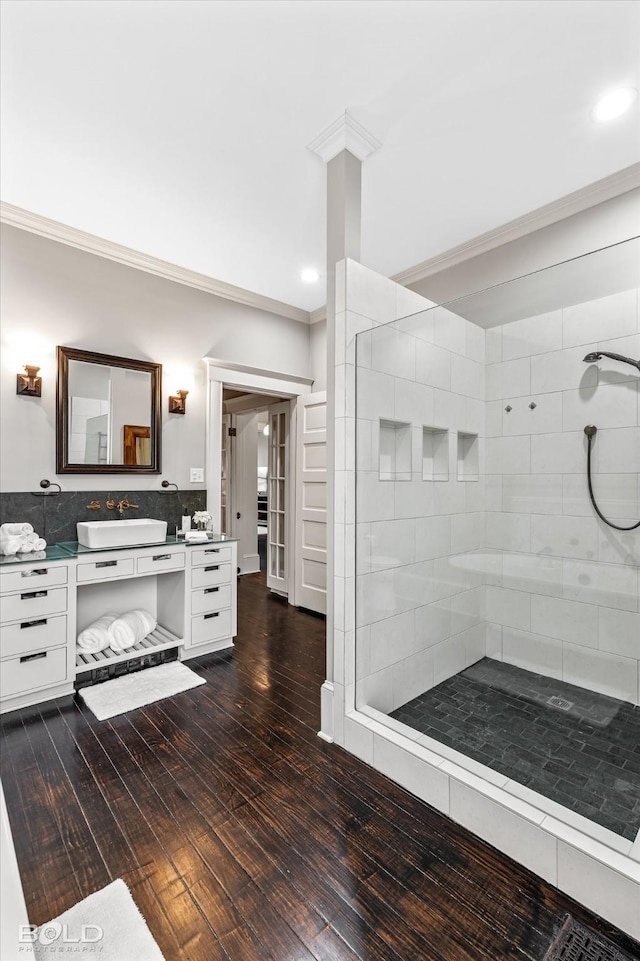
(108, 418)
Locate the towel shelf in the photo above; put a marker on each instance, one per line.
(158, 640)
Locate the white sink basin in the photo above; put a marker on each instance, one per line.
(139, 530)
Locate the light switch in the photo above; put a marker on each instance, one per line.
(196, 475)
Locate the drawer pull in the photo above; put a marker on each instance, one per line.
(39, 623)
(215, 614)
(216, 567)
(212, 550)
(27, 597)
(37, 572)
(211, 590)
(162, 557)
(106, 563)
(33, 657)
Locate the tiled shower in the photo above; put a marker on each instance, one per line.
(496, 615)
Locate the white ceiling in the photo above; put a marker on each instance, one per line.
(180, 129)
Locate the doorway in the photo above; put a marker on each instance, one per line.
(296, 500)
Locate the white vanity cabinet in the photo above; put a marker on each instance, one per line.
(212, 597)
(37, 623)
(189, 590)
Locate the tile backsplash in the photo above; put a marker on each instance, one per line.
(54, 516)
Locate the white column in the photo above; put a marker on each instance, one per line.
(343, 147)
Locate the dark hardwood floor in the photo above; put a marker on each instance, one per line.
(244, 836)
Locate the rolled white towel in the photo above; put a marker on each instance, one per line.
(16, 529)
(10, 544)
(32, 543)
(147, 620)
(130, 628)
(96, 636)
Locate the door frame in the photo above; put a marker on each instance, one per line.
(221, 373)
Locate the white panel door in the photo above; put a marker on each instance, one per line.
(225, 475)
(278, 490)
(311, 503)
(244, 518)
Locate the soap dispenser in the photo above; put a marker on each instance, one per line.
(186, 521)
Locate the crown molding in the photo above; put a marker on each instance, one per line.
(318, 315)
(345, 133)
(596, 193)
(53, 230)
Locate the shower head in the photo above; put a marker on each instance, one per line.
(596, 355)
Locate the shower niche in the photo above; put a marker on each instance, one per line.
(468, 459)
(435, 454)
(394, 452)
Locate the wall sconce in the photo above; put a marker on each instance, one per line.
(178, 402)
(29, 384)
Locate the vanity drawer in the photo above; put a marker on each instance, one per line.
(210, 599)
(162, 561)
(32, 579)
(32, 604)
(100, 570)
(210, 627)
(210, 555)
(28, 673)
(34, 635)
(211, 575)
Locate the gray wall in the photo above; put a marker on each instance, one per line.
(54, 294)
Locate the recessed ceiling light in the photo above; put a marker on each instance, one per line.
(613, 104)
(309, 275)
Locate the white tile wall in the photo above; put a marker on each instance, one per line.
(562, 613)
(580, 575)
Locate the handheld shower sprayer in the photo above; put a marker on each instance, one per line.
(598, 354)
(591, 430)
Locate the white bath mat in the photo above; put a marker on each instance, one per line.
(135, 690)
(106, 925)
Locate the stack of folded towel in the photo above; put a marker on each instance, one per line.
(118, 632)
(20, 539)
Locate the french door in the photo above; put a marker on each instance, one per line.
(278, 475)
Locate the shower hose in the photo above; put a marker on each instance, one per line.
(590, 430)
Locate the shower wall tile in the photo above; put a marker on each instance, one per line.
(450, 331)
(522, 419)
(619, 449)
(433, 365)
(533, 335)
(467, 377)
(508, 607)
(619, 632)
(476, 343)
(611, 405)
(561, 453)
(608, 585)
(532, 493)
(533, 652)
(510, 378)
(602, 672)
(563, 370)
(617, 496)
(611, 317)
(565, 620)
(413, 402)
(508, 455)
(393, 352)
(516, 564)
(493, 345)
(564, 536)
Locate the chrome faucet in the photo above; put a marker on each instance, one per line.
(120, 506)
